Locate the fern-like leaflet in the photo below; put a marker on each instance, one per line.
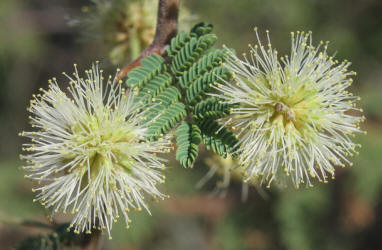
(188, 139)
(173, 89)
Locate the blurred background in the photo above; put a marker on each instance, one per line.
(40, 39)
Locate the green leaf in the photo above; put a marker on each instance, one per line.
(152, 61)
(154, 87)
(201, 29)
(212, 108)
(191, 52)
(166, 120)
(203, 84)
(161, 102)
(151, 66)
(178, 42)
(187, 139)
(196, 71)
(217, 138)
(206, 63)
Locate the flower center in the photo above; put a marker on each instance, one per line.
(103, 142)
(285, 111)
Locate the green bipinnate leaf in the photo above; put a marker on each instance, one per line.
(167, 120)
(154, 87)
(152, 65)
(211, 108)
(161, 102)
(188, 139)
(191, 52)
(178, 42)
(203, 84)
(217, 138)
(205, 64)
(173, 89)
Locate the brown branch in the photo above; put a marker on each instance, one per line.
(167, 22)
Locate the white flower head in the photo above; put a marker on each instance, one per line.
(296, 119)
(89, 153)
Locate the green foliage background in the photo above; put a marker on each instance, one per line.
(36, 44)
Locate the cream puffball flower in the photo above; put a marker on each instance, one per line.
(296, 118)
(89, 154)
